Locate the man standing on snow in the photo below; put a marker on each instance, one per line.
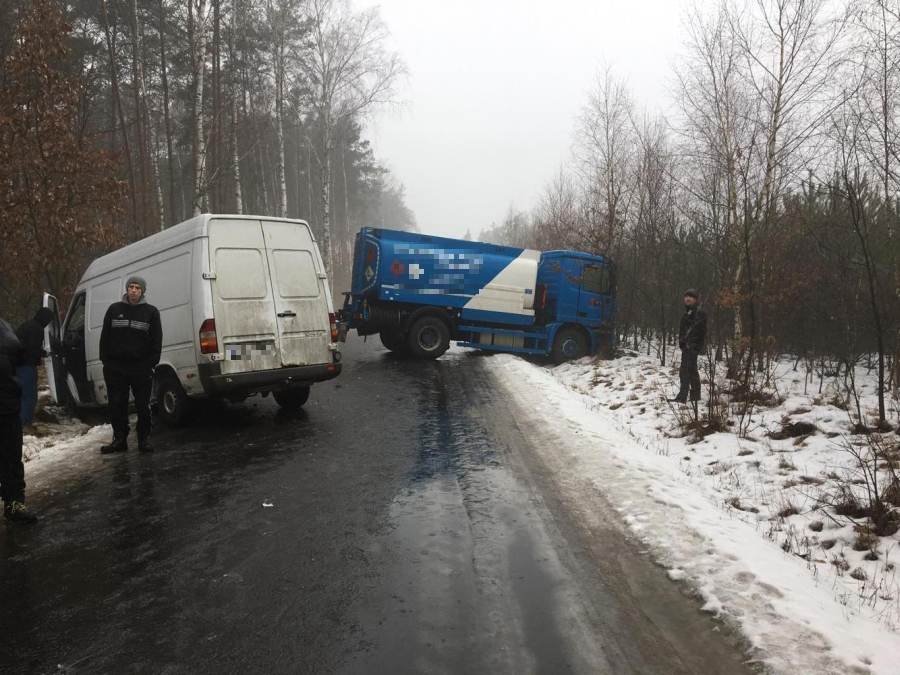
(12, 471)
(31, 335)
(130, 344)
(691, 339)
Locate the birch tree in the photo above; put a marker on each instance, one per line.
(198, 18)
(606, 144)
(350, 70)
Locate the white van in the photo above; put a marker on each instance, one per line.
(245, 307)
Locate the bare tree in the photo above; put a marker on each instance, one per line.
(876, 62)
(655, 217)
(559, 216)
(849, 140)
(755, 94)
(350, 70)
(715, 107)
(789, 48)
(604, 150)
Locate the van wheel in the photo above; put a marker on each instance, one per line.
(570, 344)
(292, 399)
(428, 338)
(173, 404)
(394, 341)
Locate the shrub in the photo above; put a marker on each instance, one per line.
(793, 430)
(865, 540)
(788, 509)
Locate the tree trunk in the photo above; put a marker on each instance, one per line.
(117, 99)
(346, 197)
(309, 183)
(281, 183)
(325, 195)
(278, 66)
(197, 35)
(174, 215)
(214, 195)
(140, 134)
(858, 217)
(235, 80)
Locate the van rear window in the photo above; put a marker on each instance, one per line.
(295, 274)
(240, 274)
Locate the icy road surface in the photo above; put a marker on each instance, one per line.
(403, 522)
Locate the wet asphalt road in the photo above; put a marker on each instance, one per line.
(411, 529)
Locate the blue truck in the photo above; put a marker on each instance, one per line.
(419, 292)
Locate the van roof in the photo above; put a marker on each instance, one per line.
(173, 236)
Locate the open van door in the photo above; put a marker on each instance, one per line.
(53, 363)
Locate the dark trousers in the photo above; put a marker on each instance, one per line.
(28, 380)
(12, 471)
(689, 375)
(118, 384)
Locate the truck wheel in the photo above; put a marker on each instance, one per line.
(292, 399)
(173, 404)
(428, 338)
(570, 344)
(394, 340)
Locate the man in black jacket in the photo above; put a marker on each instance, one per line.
(12, 471)
(691, 339)
(130, 344)
(31, 335)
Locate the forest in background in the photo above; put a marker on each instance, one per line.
(773, 189)
(119, 118)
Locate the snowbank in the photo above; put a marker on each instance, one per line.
(54, 434)
(715, 511)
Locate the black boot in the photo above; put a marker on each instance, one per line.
(16, 512)
(144, 445)
(677, 399)
(118, 445)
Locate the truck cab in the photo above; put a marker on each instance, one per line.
(418, 292)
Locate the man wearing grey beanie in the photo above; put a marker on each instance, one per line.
(130, 345)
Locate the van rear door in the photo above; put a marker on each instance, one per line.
(243, 301)
(53, 362)
(300, 294)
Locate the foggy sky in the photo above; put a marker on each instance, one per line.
(494, 89)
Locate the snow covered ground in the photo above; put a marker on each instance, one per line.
(739, 515)
(56, 436)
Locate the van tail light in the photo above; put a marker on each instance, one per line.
(334, 329)
(209, 343)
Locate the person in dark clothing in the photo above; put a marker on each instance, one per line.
(130, 344)
(31, 335)
(691, 340)
(12, 471)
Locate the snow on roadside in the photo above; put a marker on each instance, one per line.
(784, 469)
(799, 614)
(55, 434)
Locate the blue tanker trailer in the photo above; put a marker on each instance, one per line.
(419, 292)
